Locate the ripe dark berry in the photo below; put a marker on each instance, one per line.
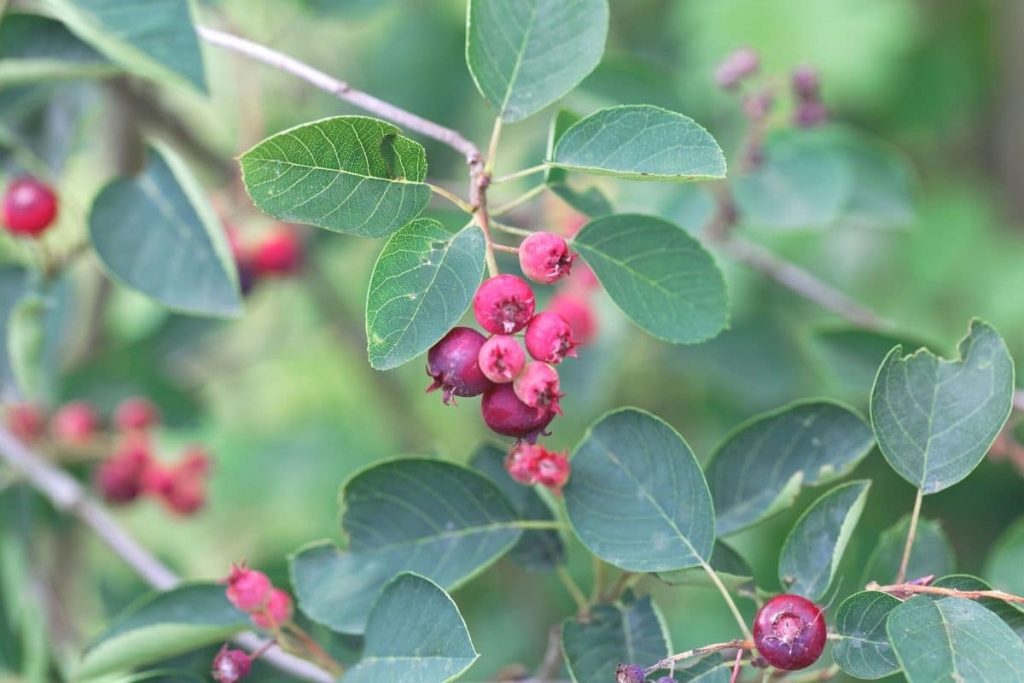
(248, 590)
(279, 253)
(75, 423)
(230, 666)
(537, 386)
(502, 358)
(29, 207)
(629, 673)
(789, 632)
(135, 415)
(505, 414)
(549, 338)
(504, 304)
(454, 364)
(277, 612)
(121, 477)
(576, 311)
(545, 257)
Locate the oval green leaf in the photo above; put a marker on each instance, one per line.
(732, 570)
(591, 201)
(814, 547)
(953, 639)
(414, 634)
(157, 234)
(525, 54)
(435, 518)
(931, 554)
(660, 276)
(161, 626)
(422, 283)
(631, 632)
(640, 142)
(350, 174)
(935, 419)
(861, 647)
(637, 497)
(1011, 613)
(759, 469)
(1003, 567)
(35, 48)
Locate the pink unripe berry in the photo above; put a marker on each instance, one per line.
(26, 421)
(549, 338)
(121, 477)
(136, 414)
(454, 363)
(248, 590)
(521, 462)
(545, 257)
(501, 358)
(194, 462)
(277, 612)
(186, 496)
(736, 67)
(552, 470)
(537, 386)
(504, 304)
(505, 414)
(29, 207)
(230, 666)
(577, 311)
(789, 632)
(279, 253)
(806, 83)
(75, 423)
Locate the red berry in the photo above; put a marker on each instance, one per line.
(454, 364)
(277, 612)
(230, 666)
(537, 386)
(194, 462)
(279, 253)
(75, 423)
(806, 83)
(545, 257)
(121, 477)
(630, 673)
(789, 632)
(521, 462)
(26, 421)
(501, 358)
(158, 480)
(736, 67)
(552, 470)
(248, 590)
(549, 338)
(576, 311)
(29, 207)
(136, 414)
(186, 496)
(505, 414)
(243, 255)
(504, 304)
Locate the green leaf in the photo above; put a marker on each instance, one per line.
(730, 566)
(880, 193)
(537, 549)
(815, 545)
(431, 517)
(1011, 613)
(931, 554)
(157, 234)
(37, 327)
(621, 633)
(414, 634)
(852, 355)
(861, 647)
(526, 54)
(637, 497)
(953, 639)
(640, 142)
(35, 48)
(758, 470)
(935, 419)
(161, 626)
(590, 202)
(1003, 567)
(12, 287)
(350, 174)
(424, 280)
(660, 276)
(154, 39)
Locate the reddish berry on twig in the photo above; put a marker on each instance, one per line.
(537, 386)
(545, 257)
(136, 414)
(454, 364)
(75, 423)
(789, 632)
(576, 311)
(629, 673)
(549, 338)
(277, 613)
(29, 207)
(248, 590)
(501, 358)
(121, 477)
(26, 421)
(230, 666)
(736, 67)
(279, 253)
(504, 304)
(505, 414)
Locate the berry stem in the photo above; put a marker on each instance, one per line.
(504, 248)
(740, 621)
(492, 147)
(904, 588)
(511, 229)
(600, 574)
(736, 666)
(521, 199)
(450, 196)
(317, 654)
(539, 525)
(911, 533)
(738, 644)
(578, 596)
(520, 174)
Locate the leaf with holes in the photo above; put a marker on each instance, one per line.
(630, 632)
(525, 54)
(637, 497)
(590, 202)
(157, 234)
(414, 634)
(35, 48)
(422, 283)
(935, 419)
(431, 517)
(861, 647)
(815, 545)
(759, 469)
(640, 142)
(350, 174)
(660, 276)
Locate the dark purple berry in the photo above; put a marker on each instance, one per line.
(453, 363)
(505, 414)
(789, 632)
(629, 673)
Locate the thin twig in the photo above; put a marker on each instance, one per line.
(67, 495)
(552, 661)
(574, 590)
(740, 621)
(519, 174)
(911, 533)
(904, 588)
(521, 199)
(736, 666)
(450, 196)
(739, 644)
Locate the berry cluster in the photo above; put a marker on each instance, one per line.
(28, 208)
(533, 464)
(278, 253)
(252, 592)
(131, 470)
(810, 110)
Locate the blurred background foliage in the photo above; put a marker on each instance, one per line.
(285, 398)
